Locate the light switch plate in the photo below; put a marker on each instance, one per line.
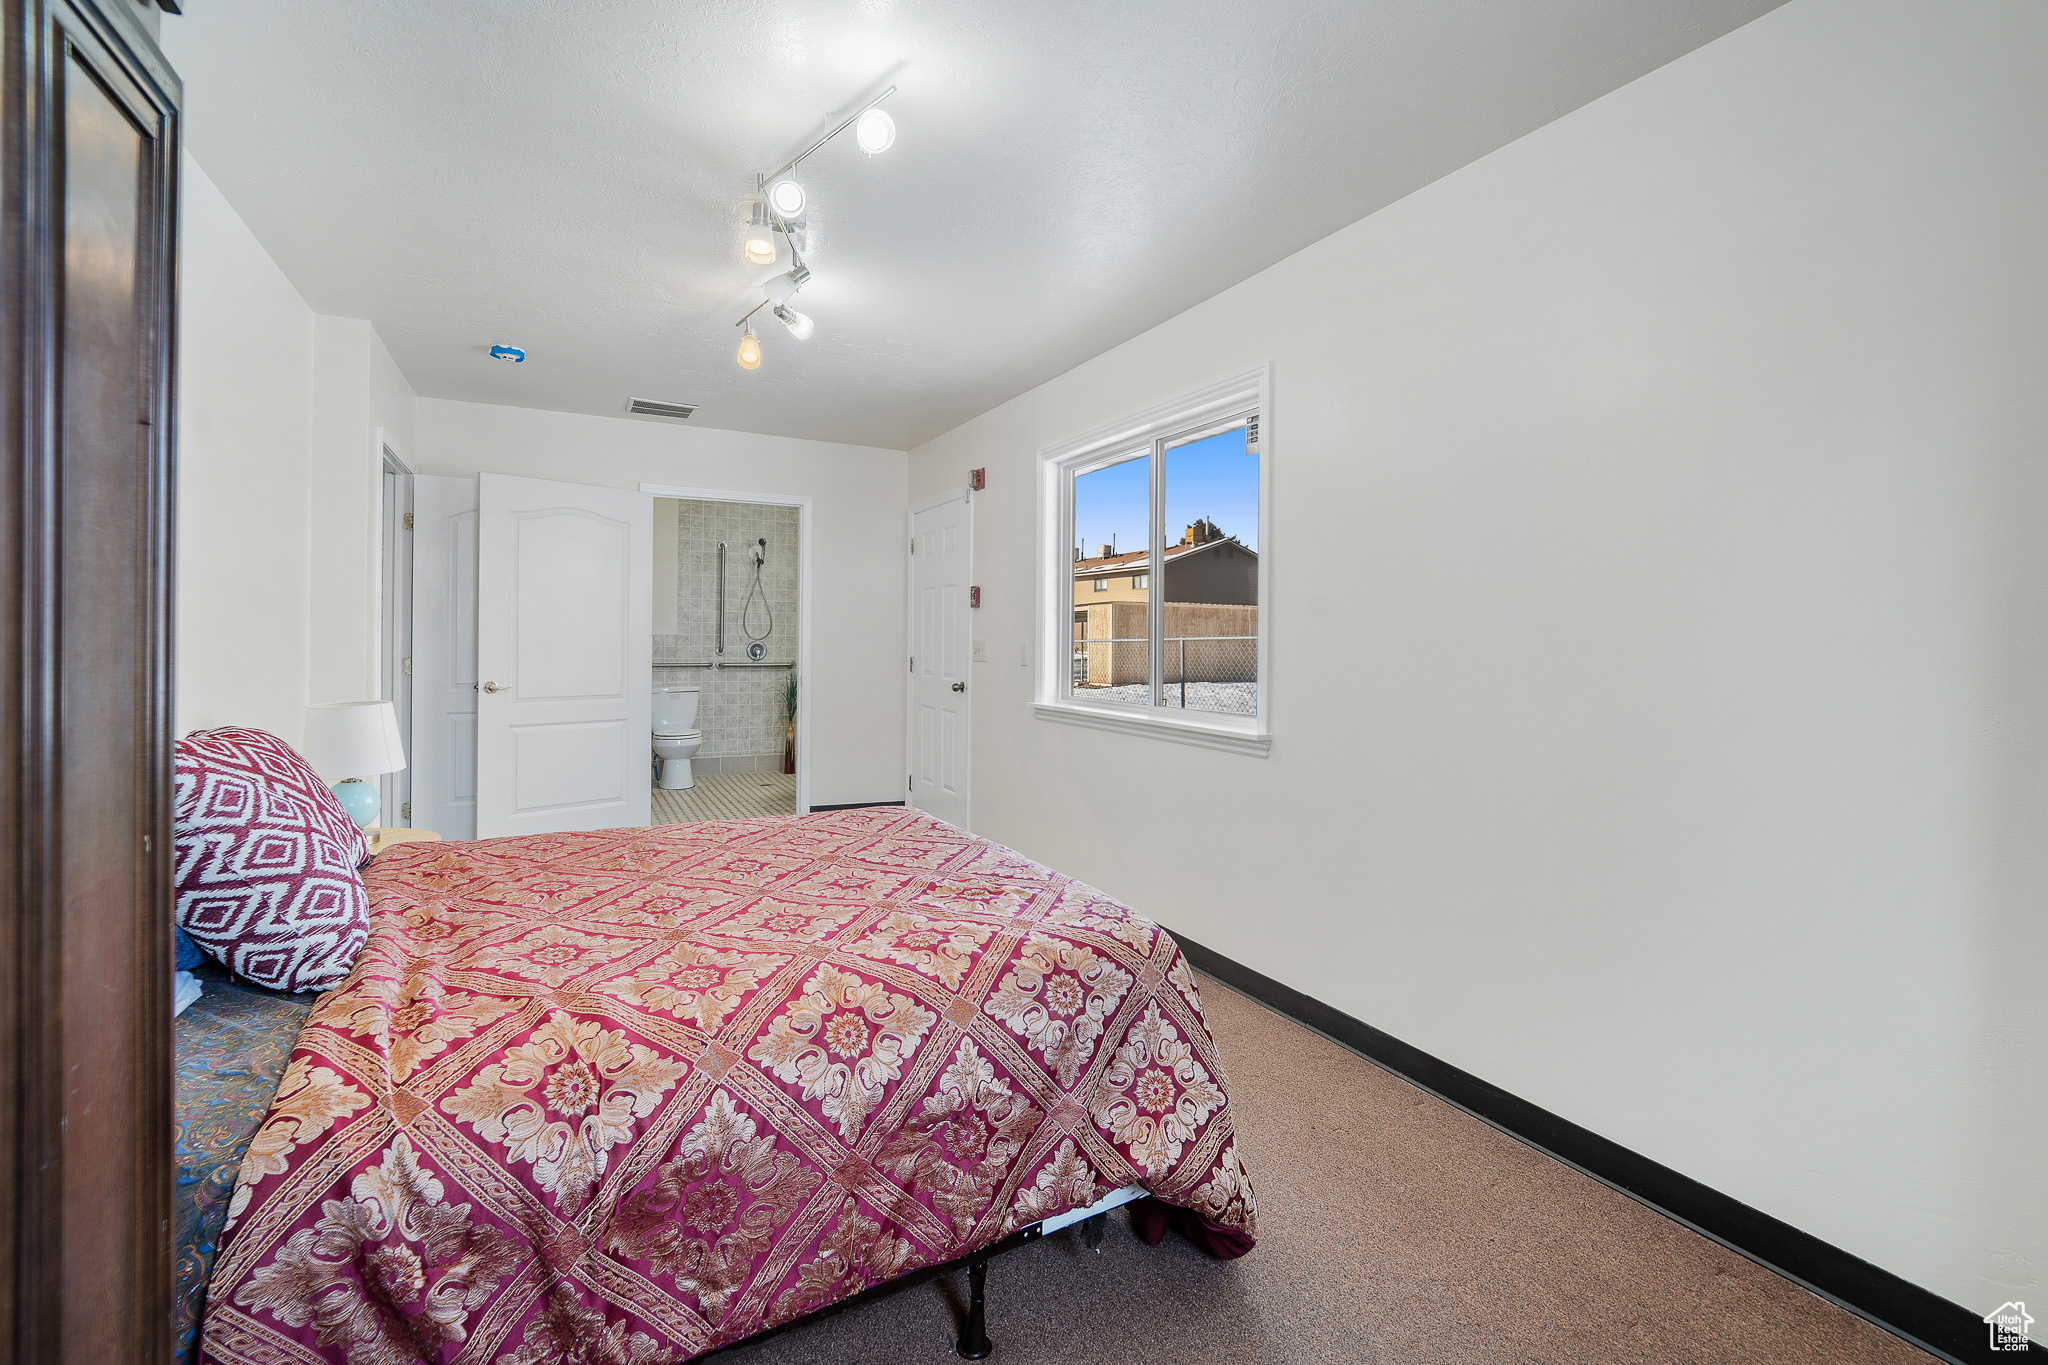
(1024, 654)
(981, 651)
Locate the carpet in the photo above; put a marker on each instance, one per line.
(1393, 1228)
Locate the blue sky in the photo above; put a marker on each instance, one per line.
(1211, 478)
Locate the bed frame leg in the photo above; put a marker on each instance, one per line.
(974, 1343)
(1092, 1230)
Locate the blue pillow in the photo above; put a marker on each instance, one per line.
(189, 955)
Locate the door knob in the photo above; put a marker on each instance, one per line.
(959, 687)
(493, 687)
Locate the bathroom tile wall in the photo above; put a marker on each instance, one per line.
(740, 710)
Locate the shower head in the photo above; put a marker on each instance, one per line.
(761, 551)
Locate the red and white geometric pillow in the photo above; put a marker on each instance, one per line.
(266, 861)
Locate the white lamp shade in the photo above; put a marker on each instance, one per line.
(353, 739)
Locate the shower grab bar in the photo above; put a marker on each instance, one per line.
(720, 663)
(721, 604)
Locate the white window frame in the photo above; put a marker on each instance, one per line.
(1136, 435)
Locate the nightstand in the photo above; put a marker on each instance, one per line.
(391, 836)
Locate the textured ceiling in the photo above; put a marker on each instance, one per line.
(566, 175)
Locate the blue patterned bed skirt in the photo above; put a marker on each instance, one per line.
(232, 1046)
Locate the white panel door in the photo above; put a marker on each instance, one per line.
(939, 570)
(444, 656)
(565, 655)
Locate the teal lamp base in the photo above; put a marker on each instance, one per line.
(359, 799)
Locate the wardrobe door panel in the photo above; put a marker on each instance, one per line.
(106, 791)
(90, 159)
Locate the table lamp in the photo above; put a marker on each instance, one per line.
(359, 738)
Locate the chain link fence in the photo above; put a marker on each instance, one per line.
(1200, 672)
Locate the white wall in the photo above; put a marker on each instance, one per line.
(357, 391)
(1660, 681)
(245, 382)
(391, 398)
(278, 466)
(857, 545)
(667, 566)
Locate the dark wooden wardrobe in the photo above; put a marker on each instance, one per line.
(90, 127)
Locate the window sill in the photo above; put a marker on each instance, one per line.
(1231, 736)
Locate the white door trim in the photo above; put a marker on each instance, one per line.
(910, 642)
(387, 446)
(941, 499)
(384, 452)
(804, 676)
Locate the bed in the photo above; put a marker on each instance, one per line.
(640, 1094)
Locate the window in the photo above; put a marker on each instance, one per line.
(1182, 652)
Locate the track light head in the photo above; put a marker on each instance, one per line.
(760, 244)
(782, 288)
(876, 132)
(800, 324)
(786, 197)
(750, 351)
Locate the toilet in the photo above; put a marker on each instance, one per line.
(676, 737)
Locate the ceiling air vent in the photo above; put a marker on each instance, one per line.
(648, 407)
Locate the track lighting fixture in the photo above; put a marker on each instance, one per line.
(780, 209)
(799, 324)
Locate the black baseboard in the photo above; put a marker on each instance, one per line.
(854, 805)
(1918, 1315)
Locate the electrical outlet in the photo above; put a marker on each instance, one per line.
(981, 651)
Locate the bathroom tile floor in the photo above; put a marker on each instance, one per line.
(727, 796)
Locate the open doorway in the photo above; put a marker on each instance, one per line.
(394, 683)
(731, 642)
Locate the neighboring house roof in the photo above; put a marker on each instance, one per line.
(1139, 561)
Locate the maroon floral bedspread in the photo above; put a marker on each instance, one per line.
(637, 1094)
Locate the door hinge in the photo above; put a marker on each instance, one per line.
(408, 521)
(405, 811)
(407, 665)
(913, 663)
(909, 782)
(913, 545)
